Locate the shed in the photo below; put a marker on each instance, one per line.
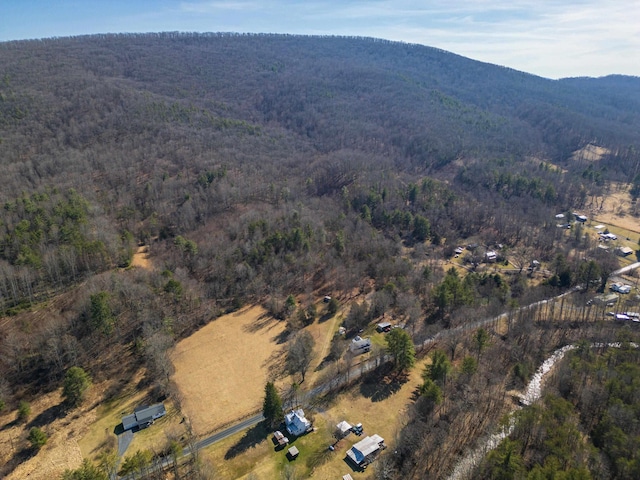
(343, 428)
(347, 477)
(491, 256)
(293, 452)
(280, 438)
(383, 327)
(624, 251)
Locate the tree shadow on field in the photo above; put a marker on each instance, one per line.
(381, 383)
(263, 321)
(325, 317)
(352, 466)
(49, 415)
(275, 364)
(252, 437)
(20, 457)
(282, 337)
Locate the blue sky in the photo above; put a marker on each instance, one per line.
(551, 38)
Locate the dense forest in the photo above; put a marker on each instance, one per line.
(257, 167)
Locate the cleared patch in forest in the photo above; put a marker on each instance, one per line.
(221, 370)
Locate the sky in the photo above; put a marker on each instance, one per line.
(550, 38)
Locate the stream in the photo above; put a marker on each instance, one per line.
(466, 465)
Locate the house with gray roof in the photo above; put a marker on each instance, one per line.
(363, 452)
(143, 416)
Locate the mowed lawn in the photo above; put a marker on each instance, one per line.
(221, 370)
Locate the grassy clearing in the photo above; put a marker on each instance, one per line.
(221, 370)
(617, 212)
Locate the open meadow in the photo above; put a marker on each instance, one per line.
(221, 370)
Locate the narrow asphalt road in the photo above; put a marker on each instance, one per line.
(354, 372)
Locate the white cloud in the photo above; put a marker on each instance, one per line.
(211, 7)
(552, 38)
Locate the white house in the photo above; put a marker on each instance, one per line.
(296, 422)
(620, 288)
(360, 345)
(491, 256)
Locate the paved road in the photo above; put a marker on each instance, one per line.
(216, 437)
(346, 377)
(627, 269)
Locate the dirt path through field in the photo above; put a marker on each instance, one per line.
(141, 258)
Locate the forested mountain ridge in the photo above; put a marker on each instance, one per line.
(422, 103)
(272, 169)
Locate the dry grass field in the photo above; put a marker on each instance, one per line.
(62, 450)
(84, 432)
(617, 211)
(221, 370)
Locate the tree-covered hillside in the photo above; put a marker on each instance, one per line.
(276, 169)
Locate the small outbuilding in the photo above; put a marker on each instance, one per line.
(383, 327)
(624, 251)
(280, 438)
(343, 429)
(293, 452)
(143, 416)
